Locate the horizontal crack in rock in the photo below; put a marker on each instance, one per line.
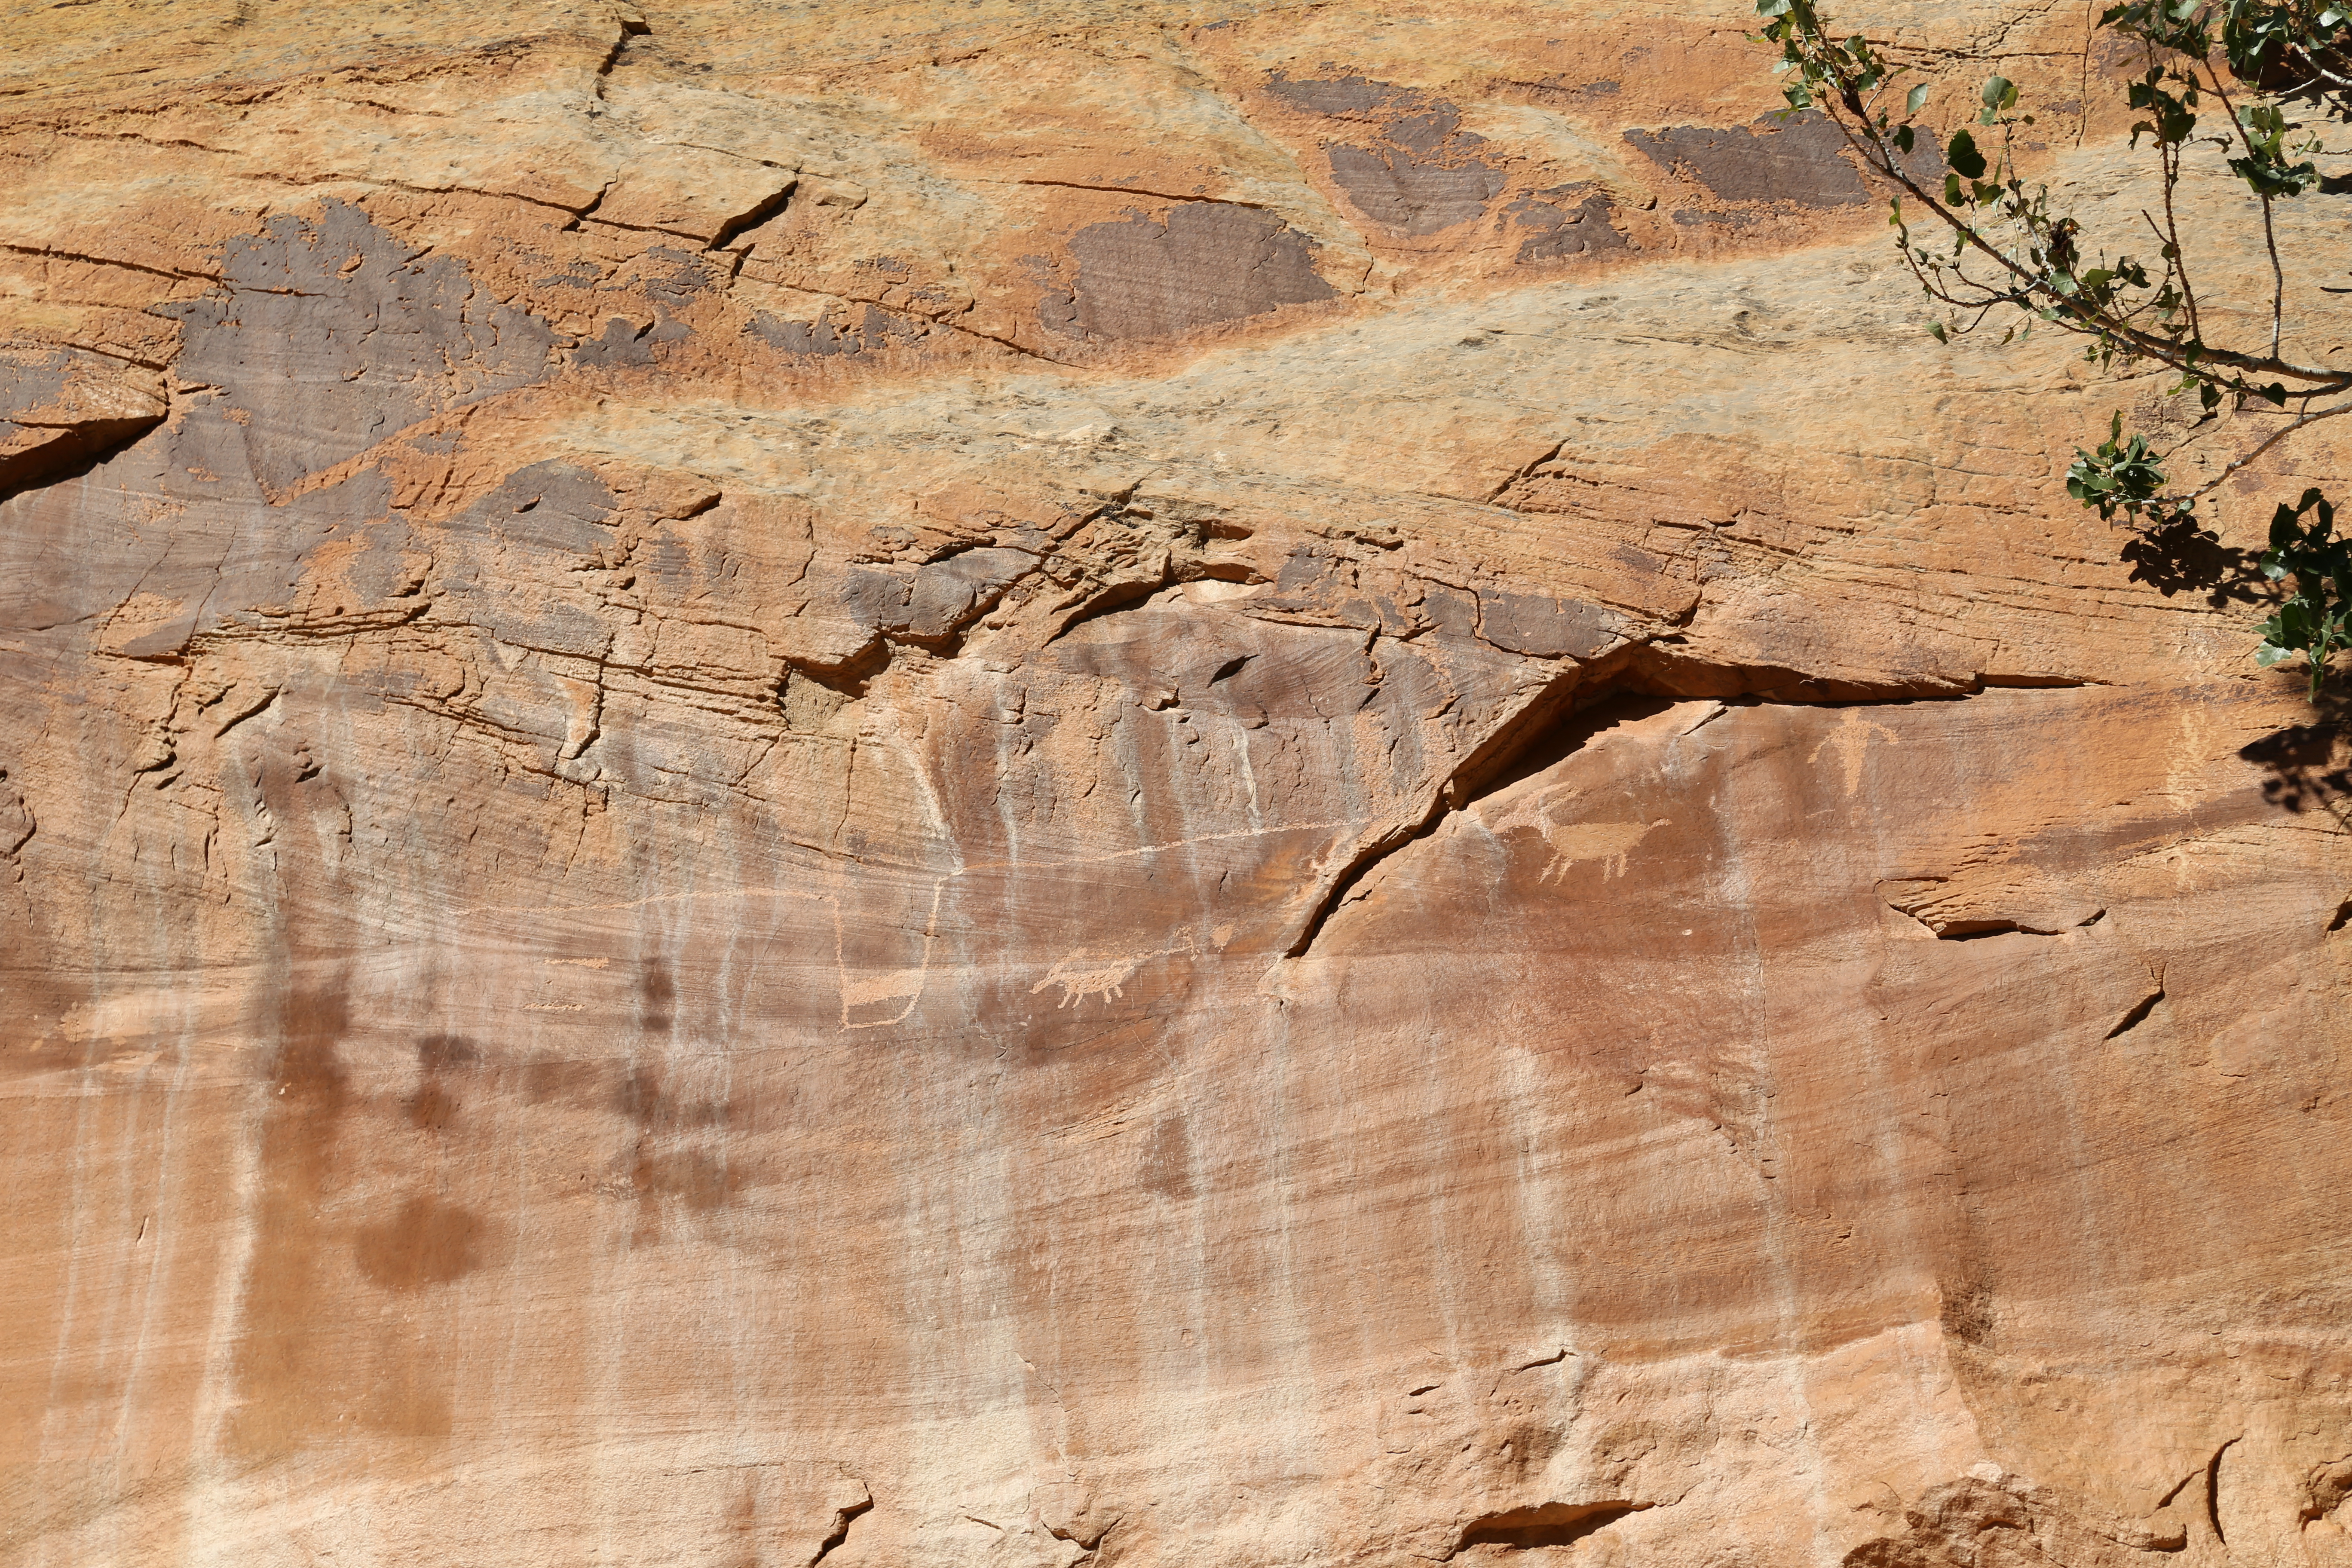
(1544, 1524)
(1542, 733)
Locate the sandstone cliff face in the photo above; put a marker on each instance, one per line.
(1154, 783)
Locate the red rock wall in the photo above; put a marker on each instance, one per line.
(1134, 783)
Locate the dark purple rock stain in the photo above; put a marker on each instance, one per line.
(326, 336)
(553, 516)
(329, 335)
(1799, 163)
(939, 599)
(626, 343)
(875, 329)
(1208, 262)
(1343, 97)
(1544, 626)
(1414, 195)
(1420, 172)
(1569, 220)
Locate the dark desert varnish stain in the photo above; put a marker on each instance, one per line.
(1413, 170)
(656, 991)
(1206, 263)
(427, 1242)
(284, 1364)
(644, 1100)
(303, 1375)
(435, 1105)
(1168, 1161)
(1799, 164)
(701, 1181)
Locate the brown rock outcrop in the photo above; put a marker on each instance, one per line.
(1155, 783)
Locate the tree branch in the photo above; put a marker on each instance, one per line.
(1881, 162)
(2270, 231)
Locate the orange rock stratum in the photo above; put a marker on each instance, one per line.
(1054, 782)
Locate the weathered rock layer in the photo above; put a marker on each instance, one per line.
(1150, 783)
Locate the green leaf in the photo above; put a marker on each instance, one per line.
(1918, 97)
(1936, 328)
(1963, 156)
(1903, 137)
(2270, 654)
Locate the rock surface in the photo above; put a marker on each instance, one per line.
(1163, 784)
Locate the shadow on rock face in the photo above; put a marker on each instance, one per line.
(2309, 765)
(1545, 1524)
(2181, 557)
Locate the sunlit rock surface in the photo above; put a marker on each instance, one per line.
(1196, 784)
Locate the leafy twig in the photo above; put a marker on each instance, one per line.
(2129, 311)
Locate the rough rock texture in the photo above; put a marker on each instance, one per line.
(1163, 784)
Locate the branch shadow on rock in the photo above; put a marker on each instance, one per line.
(2183, 557)
(2310, 765)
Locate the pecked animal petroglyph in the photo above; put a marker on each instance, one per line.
(1083, 974)
(1578, 843)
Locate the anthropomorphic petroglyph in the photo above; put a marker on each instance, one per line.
(1851, 739)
